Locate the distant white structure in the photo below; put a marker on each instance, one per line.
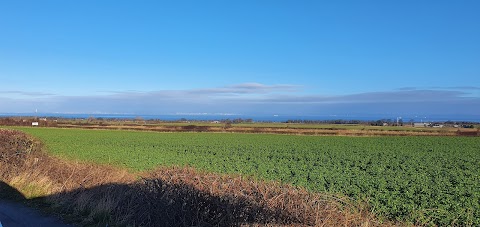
(420, 124)
(35, 123)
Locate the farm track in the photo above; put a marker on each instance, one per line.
(17, 214)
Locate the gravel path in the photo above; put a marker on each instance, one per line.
(16, 214)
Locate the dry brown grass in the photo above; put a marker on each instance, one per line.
(90, 194)
(291, 131)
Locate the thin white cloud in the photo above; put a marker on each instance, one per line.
(458, 88)
(262, 87)
(236, 89)
(248, 88)
(455, 88)
(371, 97)
(26, 93)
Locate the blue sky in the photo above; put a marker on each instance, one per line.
(244, 57)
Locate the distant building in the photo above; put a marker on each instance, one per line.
(418, 125)
(35, 123)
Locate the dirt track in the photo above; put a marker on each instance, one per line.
(16, 214)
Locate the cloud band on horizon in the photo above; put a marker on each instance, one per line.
(250, 98)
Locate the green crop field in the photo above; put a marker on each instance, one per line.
(415, 179)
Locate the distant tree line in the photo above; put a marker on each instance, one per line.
(22, 121)
(237, 121)
(381, 122)
(337, 121)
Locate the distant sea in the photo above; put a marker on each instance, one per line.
(257, 118)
